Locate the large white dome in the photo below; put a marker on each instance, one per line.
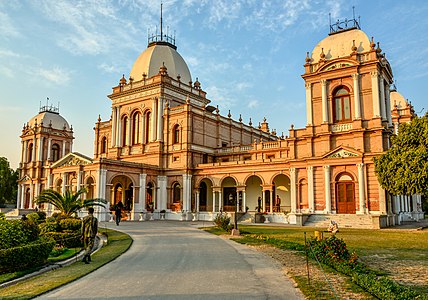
(47, 117)
(340, 44)
(154, 57)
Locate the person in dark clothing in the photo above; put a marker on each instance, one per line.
(89, 231)
(118, 214)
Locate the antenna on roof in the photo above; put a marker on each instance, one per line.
(161, 23)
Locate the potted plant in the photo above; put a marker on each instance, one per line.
(162, 214)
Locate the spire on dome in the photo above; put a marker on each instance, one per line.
(161, 39)
(343, 25)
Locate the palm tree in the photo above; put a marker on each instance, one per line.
(69, 202)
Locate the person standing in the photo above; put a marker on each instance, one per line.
(118, 214)
(89, 231)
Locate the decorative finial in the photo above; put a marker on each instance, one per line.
(372, 44)
(229, 115)
(197, 84)
(308, 59)
(187, 99)
(122, 80)
(282, 135)
(322, 55)
(378, 50)
(240, 118)
(217, 110)
(354, 48)
(178, 77)
(131, 79)
(144, 76)
(250, 123)
(264, 120)
(99, 118)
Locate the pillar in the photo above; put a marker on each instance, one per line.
(327, 189)
(244, 200)
(26, 152)
(361, 189)
(264, 201)
(311, 199)
(220, 201)
(309, 116)
(22, 196)
(118, 127)
(293, 194)
(22, 151)
(187, 192)
(128, 132)
(375, 93)
(197, 200)
(30, 205)
(19, 195)
(357, 100)
(162, 192)
(324, 101)
(33, 153)
(160, 120)
(154, 117)
(214, 200)
(49, 149)
(79, 179)
(142, 193)
(382, 98)
(388, 105)
(64, 182)
(63, 148)
(113, 127)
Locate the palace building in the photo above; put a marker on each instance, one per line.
(167, 149)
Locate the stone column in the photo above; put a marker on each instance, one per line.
(311, 200)
(33, 153)
(40, 148)
(271, 202)
(264, 201)
(118, 127)
(160, 119)
(154, 117)
(309, 116)
(19, 195)
(361, 189)
(26, 152)
(187, 192)
(382, 98)
(388, 105)
(197, 200)
(293, 194)
(102, 213)
(244, 200)
(375, 93)
(327, 189)
(63, 148)
(324, 101)
(64, 182)
(128, 132)
(162, 192)
(142, 193)
(31, 195)
(357, 100)
(22, 151)
(22, 196)
(220, 201)
(49, 149)
(214, 200)
(113, 127)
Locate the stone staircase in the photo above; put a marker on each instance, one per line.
(344, 221)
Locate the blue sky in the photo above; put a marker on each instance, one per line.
(247, 54)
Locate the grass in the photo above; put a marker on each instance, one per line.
(118, 243)
(401, 246)
(64, 255)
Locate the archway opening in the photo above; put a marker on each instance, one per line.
(281, 193)
(345, 194)
(229, 194)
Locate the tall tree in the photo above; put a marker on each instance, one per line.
(8, 182)
(403, 169)
(69, 202)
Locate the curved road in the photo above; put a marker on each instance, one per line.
(175, 260)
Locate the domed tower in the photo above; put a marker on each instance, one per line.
(45, 138)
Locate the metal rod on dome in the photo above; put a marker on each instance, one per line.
(329, 19)
(161, 22)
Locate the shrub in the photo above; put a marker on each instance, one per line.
(2, 216)
(32, 254)
(223, 221)
(17, 232)
(49, 226)
(70, 224)
(65, 239)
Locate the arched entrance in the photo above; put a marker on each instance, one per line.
(123, 192)
(229, 194)
(345, 194)
(176, 204)
(90, 188)
(150, 203)
(205, 195)
(27, 198)
(281, 193)
(253, 191)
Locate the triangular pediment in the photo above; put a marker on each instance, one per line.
(342, 152)
(25, 178)
(337, 64)
(72, 159)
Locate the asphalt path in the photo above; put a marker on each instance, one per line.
(175, 260)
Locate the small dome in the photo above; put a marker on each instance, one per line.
(157, 55)
(397, 99)
(342, 44)
(47, 117)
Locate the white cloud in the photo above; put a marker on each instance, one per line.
(243, 85)
(7, 72)
(108, 68)
(8, 53)
(55, 75)
(253, 104)
(8, 29)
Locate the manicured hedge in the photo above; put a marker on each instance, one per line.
(65, 239)
(32, 254)
(17, 232)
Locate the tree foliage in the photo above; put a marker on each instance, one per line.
(8, 182)
(69, 202)
(403, 169)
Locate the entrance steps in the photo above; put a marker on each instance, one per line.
(343, 220)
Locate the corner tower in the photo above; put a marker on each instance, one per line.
(45, 138)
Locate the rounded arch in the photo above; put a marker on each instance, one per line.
(229, 192)
(176, 134)
(228, 180)
(281, 186)
(30, 152)
(341, 100)
(90, 187)
(125, 123)
(254, 192)
(27, 198)
(150, 196)
(256, 175)
(343, 171)
(55, 152)
(176, 196)
(123, 191)
(147, 126)
(103, 145)
(345, 193)
(205, 186)
(136, 126)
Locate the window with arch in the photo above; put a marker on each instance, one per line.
(104, 145)
(176, 134)
(341, 105)
(30, 153)
(125, 122)
(136, 128)
(147, 127)
(55, 152)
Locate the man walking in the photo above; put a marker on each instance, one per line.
(89, 231)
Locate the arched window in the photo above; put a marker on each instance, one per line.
(176, 134)
(125, 122)
(55, 152)
(342, 105)
(103, 145)
(30, 152)
(136, 128)
(147, 127)
(90, 188)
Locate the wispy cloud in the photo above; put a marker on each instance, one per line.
(7, 72)
(108, 68)
(55, 75)
(8, 29)
(253, 104)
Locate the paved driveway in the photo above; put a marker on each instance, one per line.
(175, 260)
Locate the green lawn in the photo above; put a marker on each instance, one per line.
(118, 243)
